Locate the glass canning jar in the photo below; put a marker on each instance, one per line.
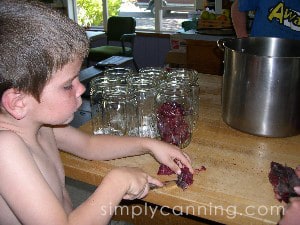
(188, 77)
(145, 92)
(119, 111)
(183, 75)
(174, 113)
(97, 87)
(157, 74)
(120, 74)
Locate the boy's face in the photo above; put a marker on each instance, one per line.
(61, 96)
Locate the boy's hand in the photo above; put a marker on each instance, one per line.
(165, 153)
(292, 210)
(135, 181)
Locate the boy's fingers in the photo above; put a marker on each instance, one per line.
(143, 192)
(187, 157)
(175, 165)
(297, 190)
(186, 161)
(294, 199)
(155, 182)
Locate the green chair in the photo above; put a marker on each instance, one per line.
(120, 40)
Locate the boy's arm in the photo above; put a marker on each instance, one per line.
(106, 147)
(239, 20)
(35, 196)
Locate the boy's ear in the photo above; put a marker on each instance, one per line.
(14, 103)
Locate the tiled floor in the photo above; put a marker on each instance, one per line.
(78, 191)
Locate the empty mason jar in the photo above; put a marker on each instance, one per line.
(157, 74)
(118, 73)
(97, 87)
(174, 114)
(119, 111)
(145, 92)
(183, 74)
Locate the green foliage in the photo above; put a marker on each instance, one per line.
(90, 12)
(114, 7)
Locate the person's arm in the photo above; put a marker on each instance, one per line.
(106, 147)
(34, 194)
(239, 20)
(292, 212)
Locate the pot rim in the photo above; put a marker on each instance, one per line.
(224, 42)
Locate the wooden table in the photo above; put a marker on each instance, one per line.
(233, 190)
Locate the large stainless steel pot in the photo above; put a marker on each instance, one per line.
(261, 85)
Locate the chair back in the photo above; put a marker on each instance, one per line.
(119, 25)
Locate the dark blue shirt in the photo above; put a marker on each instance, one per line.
(274, 18)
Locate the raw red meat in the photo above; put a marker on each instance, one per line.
(172, 125)
(283, 180)
(202, 168)
(164, 170)
(184, 180)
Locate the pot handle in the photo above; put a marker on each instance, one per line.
(221, 42)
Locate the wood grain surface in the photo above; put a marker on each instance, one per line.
(233, 190)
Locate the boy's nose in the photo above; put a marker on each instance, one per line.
(81, 89)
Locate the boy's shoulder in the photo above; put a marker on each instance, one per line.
(10, 142)
(8, 135)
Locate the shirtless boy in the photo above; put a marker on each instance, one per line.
(41, 56)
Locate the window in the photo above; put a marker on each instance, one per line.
(151, 15)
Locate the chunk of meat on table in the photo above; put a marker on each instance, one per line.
(283, 180)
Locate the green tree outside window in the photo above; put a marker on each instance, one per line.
(90, 12)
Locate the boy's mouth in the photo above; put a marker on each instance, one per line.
(79, 103)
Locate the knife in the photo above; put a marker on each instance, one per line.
(168, 183)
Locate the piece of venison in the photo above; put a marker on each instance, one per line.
(184, 180)
(283, 180)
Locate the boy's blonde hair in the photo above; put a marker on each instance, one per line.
(35, 42)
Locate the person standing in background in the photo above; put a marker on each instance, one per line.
(273, 18)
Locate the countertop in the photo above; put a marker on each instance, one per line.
(206, 34)
(233, 190)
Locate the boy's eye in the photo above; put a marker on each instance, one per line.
(68, 87)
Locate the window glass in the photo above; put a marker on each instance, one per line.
(90, 12)
(173, 13)
(138, 10)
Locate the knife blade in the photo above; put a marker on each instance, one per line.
(167, 184)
